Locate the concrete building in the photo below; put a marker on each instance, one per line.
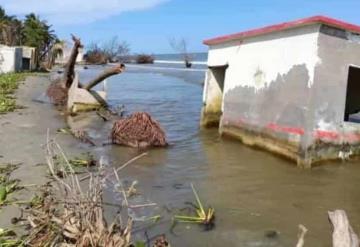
(291, 88)
(67, 48)
(10, 59)
(28, 58)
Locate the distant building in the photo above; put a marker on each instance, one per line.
(28, 58)
(67, 48)
(292, 88)
(10, 59)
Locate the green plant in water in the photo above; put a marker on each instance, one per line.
(203, 216)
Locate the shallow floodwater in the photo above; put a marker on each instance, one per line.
(259, 198)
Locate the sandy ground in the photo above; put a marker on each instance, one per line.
(22, 139)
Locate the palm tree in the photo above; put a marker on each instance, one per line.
(10, 29)
(37, 33)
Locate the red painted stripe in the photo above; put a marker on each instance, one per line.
(291, 130)
(317, 134)
(284, 26)
(351, 137)
(324, 134)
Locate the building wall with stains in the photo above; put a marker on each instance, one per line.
(267, 88)
(291, 88)
(333, 137)
(10, 59)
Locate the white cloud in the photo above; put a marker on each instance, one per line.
(76, 11)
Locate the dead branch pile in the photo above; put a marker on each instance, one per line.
(75, 217)
(138, 130)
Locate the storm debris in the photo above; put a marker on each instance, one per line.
(139, 130)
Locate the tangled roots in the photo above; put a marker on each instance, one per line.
(138, 130)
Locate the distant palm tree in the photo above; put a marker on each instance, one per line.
(37, 33)
(32, 32)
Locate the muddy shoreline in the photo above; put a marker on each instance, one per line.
(23, 135)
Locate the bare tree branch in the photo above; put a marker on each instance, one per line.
(70, 65)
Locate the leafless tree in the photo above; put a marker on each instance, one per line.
(180, 46)
(116, 49)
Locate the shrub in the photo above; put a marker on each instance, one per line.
(8, 84)
(96, 57)
(144, 58)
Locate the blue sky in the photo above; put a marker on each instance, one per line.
(147, 25)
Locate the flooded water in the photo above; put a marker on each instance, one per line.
(259, 198)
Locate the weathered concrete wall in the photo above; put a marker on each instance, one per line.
(267, 88)
(286, 92)
(10, 59)
(334, 138)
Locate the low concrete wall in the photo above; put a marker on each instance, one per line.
(10, 59)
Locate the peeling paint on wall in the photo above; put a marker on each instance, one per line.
(286, 92)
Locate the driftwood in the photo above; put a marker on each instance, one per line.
(58, 90)
(343, 234)
(302, 232)
(107, 73)
(69, 72)
(138, 130)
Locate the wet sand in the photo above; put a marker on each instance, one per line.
(22, 138)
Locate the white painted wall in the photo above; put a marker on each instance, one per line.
(10, 59)
(257, 61)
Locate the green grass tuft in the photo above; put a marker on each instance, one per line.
(9, 82)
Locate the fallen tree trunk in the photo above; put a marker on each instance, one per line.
(107, 73)
(69, 72)
(343, 234)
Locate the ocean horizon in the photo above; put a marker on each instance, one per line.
(176, 58)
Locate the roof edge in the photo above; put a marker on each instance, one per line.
(283, 26)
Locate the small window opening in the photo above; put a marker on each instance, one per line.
(352, 106)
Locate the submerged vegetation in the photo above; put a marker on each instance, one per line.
(8, 84)
(202, 216)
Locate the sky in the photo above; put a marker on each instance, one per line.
(147, 25)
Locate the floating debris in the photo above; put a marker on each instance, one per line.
(139, 130)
